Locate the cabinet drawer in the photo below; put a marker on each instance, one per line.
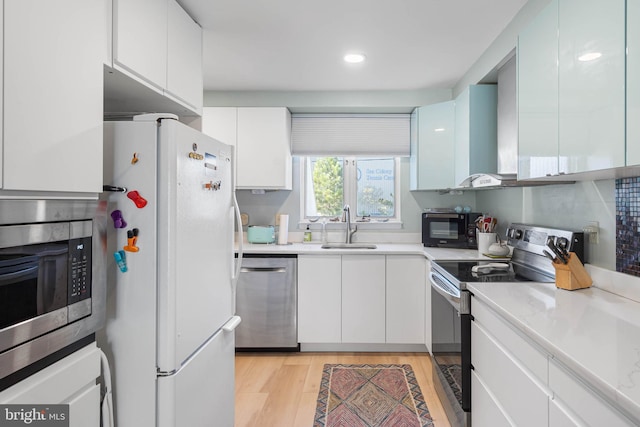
(519, 394)
(84, 409)
(532, 358)
(59, 382)
(485, 410)
(583, 402)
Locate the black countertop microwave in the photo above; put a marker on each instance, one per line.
(449, 229)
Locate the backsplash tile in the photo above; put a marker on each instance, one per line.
(628, 225)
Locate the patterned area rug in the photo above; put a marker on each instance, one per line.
(370, 396)
(453, 375)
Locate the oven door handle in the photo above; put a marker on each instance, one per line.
(448, 291)
(17, 275)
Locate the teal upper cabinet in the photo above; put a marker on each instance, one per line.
(571, 90)
(432, 140)
(633, 82)
(591, 85)
(476, 132)
(538, 96)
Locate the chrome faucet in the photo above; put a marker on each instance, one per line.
(346, 217)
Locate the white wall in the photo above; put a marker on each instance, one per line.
(569, 206)
(262, 208)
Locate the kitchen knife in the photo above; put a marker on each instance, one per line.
(548, 255)
(557, 251)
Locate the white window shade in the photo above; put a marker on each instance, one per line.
(350, 135)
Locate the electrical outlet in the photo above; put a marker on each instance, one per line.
(592, 231)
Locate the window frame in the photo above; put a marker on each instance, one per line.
(350, 192)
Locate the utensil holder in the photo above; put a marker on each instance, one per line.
(572, 275)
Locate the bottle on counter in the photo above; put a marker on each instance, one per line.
(307, 234)
(324, 237)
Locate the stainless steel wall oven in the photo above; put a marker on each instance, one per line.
(52, 281)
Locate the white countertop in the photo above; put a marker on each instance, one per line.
(382, 248)
(591, 331)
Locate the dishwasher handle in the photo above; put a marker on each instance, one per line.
(263, 270)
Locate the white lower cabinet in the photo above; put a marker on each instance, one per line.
(576, 404)
(512, 371)
(514, 388)
(71, 381)
(319, 298)
(515, 382)
(361, 299)
(488, 413)
(406, 286)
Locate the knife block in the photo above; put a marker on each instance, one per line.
(572, 275)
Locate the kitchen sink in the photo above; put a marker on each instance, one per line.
(348, 246)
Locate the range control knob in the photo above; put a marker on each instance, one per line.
(517, 234)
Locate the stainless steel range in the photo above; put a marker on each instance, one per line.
(532, 248)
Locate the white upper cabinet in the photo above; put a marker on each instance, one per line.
(262, 138)
(53, 95)
(432, 147)
(476, 132)
(633, 82)
(538, 95)
(158, 45)
(591, 85)
(184, 57)
(140, 39)
(264, 148)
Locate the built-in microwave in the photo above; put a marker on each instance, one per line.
(449, 229)
(51, 278)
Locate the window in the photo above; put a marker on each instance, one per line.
(368, 185)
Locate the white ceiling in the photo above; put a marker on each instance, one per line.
(298, 45)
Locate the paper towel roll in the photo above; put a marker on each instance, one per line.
(283, 231)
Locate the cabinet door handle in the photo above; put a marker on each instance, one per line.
(263, 270)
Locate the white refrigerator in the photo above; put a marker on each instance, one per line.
(170, 317)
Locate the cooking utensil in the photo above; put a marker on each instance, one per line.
(490, 266)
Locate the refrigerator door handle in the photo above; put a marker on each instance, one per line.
(234, 278)
(232, 324)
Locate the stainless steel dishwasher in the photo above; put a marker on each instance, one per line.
(266, 301)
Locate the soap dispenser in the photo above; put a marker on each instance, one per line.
(307, 234)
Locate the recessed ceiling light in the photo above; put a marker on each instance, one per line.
(590, 56)
(354, 58)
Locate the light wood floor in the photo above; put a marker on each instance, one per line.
(281, 389)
